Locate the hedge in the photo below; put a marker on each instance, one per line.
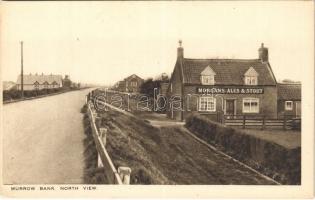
(9, 95)
(271, 159)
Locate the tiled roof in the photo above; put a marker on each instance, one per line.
(228, 71)
(289, 91)
(31, 79)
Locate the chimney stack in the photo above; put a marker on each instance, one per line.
(180, 51)
(263, 53)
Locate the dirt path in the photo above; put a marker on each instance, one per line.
(42, 140)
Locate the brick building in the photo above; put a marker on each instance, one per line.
(222, 86)
(130, 84)
(289, 100)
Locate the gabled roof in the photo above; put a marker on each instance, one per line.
(133, 76)
(251, 72)
(228, 71)
(31, 79)
(289, 91)
(208, 71)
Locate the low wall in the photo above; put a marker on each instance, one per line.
(271, 159)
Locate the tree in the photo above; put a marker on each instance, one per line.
(66, 82)
(148, 86)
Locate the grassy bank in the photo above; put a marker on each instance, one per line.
(280, 160)
(167, 155)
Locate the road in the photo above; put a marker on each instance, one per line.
(43, 140)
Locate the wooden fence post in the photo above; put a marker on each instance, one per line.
(124, 173)
(223, 118)
(99, 161)
(244, 121)
(284, 122)
(263, 123)
(103, 133)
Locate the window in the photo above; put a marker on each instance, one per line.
(250, 105)
(250, 80)
(207, 104)
(207, 76)
(207, 80)
(288, 105)
(251, 77)
(133, 84)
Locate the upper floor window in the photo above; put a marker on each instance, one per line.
(133, 84)
(207, 76)
(207, 80)
(251, 77)
(250, 80)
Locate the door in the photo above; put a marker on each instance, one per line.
(298, 109)
(230, 107)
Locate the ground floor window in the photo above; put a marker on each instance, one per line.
(250, 105)
(288, 105)
(207, 104)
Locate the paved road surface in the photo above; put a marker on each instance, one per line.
(43, 140)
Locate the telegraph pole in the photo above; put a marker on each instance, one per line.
(22, 81)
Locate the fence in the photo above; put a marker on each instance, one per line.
(245, 121)
(122, 176)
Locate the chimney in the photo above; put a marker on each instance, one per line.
(263, 53)
(180, 51)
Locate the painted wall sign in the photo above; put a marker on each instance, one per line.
(239, 90)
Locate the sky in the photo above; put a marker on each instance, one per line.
(104, 42)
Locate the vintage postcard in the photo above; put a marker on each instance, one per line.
(157, 99)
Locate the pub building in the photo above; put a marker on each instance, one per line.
(222, 86)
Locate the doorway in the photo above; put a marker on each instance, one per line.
(230, 107)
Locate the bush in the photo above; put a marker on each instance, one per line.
(6, 96)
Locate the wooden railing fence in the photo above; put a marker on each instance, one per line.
(113, 176)
(245, 121)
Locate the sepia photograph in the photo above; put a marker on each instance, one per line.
(191, 97)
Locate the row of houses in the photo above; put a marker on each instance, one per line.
(230, 86)
(42, 81)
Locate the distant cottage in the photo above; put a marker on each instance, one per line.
(38, 82)
(228, 86)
